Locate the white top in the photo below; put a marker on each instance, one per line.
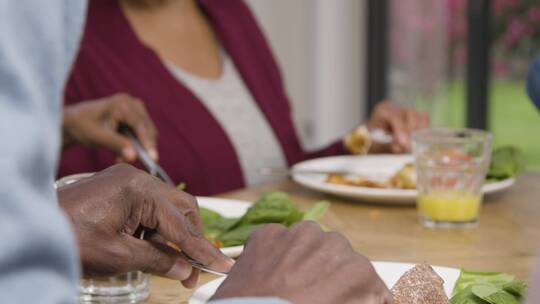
(232, 105)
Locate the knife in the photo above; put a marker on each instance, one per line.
(150, 165)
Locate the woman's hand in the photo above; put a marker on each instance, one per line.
(303, 265)
(108, 209)
(400, 122)
(95, 124)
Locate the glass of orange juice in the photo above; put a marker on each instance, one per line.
(451, 166)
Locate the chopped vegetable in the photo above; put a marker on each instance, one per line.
(272, 207)
(487, 288)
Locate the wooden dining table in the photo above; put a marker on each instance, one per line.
(507, 238)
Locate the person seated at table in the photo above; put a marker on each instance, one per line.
(533, 82)
(205, 74)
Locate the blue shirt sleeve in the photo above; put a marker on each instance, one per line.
(533, 82)
(38, 42)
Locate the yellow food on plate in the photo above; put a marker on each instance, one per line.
(357, 181)
(404, 178)
(449, 206)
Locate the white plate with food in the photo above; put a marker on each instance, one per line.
(389, 272)
(228, 208)
(375, 178)
(228, 223)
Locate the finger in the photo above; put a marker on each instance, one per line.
(411, 120)
(191, 282)
(396, 148)
(151, 258)
(178, 229)
(186, 203)
(399, 132)
(263, 236)
(110, 139)
(155, 238)
(425, 120)
(145, 130)
(127, 110)
(266, 232)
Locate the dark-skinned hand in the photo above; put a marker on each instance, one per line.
(398, 121)
(109, 208)
(95, 124)
(303, 265)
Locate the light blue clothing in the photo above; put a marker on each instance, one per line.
(38, 258)
(38, 40)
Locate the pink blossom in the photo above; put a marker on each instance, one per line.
(534, 14)
(515, 31)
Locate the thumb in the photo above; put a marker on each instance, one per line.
(156, 259)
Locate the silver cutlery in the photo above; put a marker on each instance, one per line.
(279, 171)
(150, 165)
(156, 170)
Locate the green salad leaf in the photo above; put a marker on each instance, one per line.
(237, 236)
(517, 288)
(487, 288)
(470, 278)
(316, 212)
(506, 162)
(272, 207)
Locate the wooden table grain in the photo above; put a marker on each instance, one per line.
(507, 238)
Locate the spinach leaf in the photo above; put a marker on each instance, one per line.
(237, 236)
(505, 163)
(294, 217)
(272, 207)
(470, 278)
(214, 224)
(494, 295)
(487, 288)
(316, 212)
(517, 288)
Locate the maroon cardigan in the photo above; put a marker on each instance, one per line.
(193, 147)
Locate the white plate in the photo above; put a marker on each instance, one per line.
(374, 166)
(389, 272)
(227, 208)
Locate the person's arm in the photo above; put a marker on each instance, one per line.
(38, 259)
(533, 82)
(396, 120)
(95, 123)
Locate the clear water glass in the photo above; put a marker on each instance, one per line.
(131, 287)
(451, 167)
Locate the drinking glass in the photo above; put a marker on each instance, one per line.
(131, 287)
(451, 167)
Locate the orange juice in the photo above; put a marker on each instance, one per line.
(449, 206)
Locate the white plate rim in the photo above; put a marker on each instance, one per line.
(373, 195)
(449, 274)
